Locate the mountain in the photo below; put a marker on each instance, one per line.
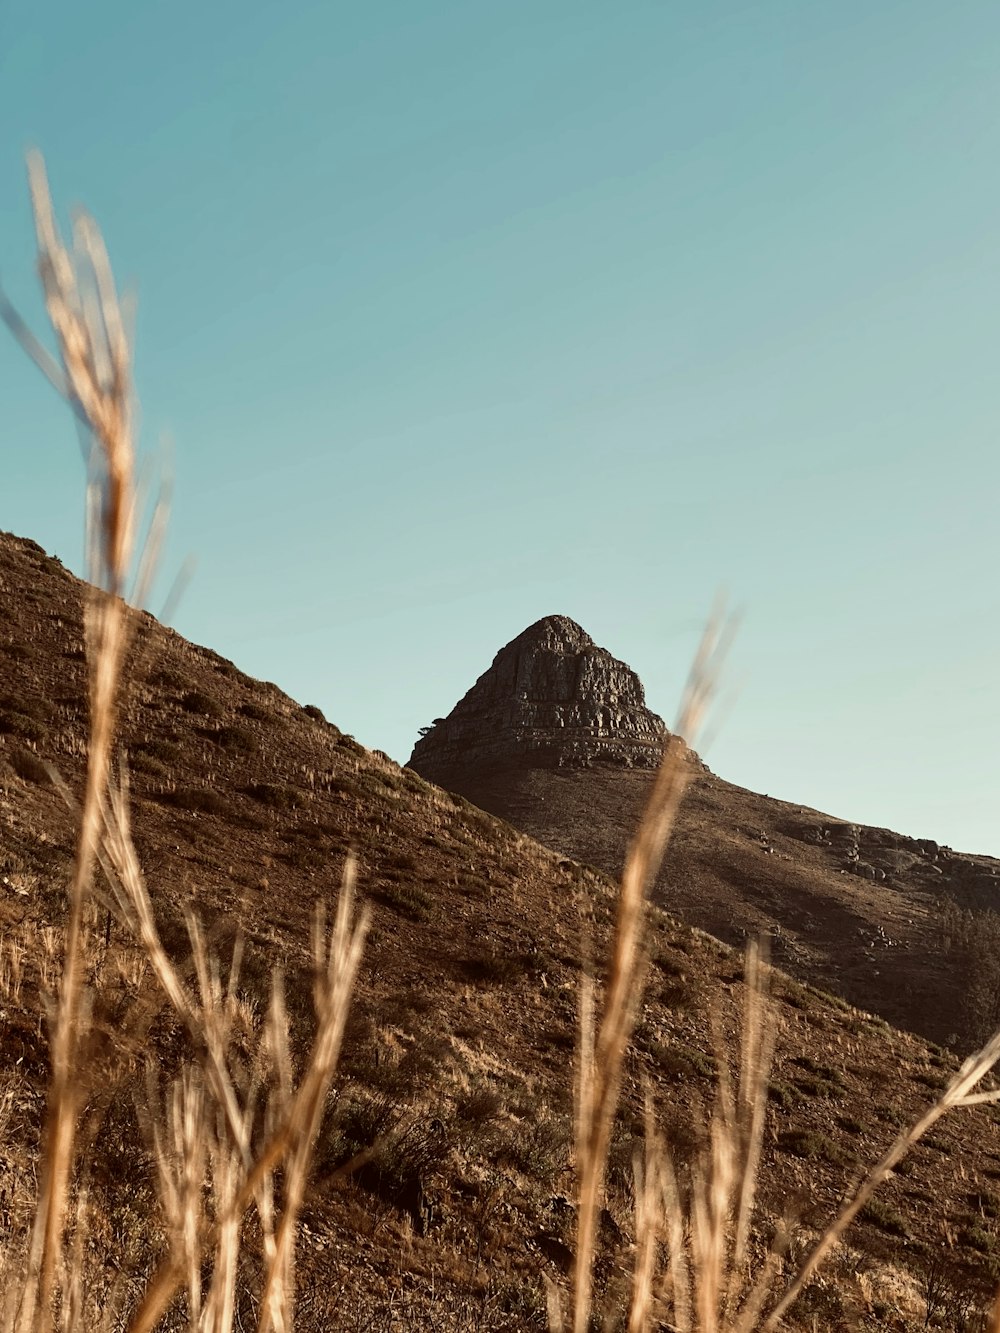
(552, 698)
(457, 1072)
(555, 738)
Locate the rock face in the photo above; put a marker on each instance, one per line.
(552, 698)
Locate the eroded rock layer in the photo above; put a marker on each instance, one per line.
(551, 699)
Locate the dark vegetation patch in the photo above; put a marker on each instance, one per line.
(197, 800)
(274, 796)
(236, 740)
(257, 712)
(884, 1216)
(166, 752)
(27, 765)
(810, 1144)
(197, 701)
(26, 728)
(408, 900)
(166, 678)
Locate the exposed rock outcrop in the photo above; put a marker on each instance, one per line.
(552, 698)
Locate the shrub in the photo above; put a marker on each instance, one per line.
(977, 1238)
(782, 1094)
(256, 712)
(235, 739)
(27, 765)
(408, 899)
(315, 713)
(19, 724)
(199, 800)
(488, 968)
(880, 1214)
(811, 1145)
(681, 1063)
(818, 1080)
(479, 1106)
(38, 710)
(195, 701)
(148, 764)
(165, 751)
(276, 798)
(930, 1079)
(166, 679)
(851, 1125)
(402, 1152)
(540, 1149)
(986, 1204)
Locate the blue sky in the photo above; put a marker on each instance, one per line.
(455, 315)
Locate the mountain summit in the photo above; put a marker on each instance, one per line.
(551, 699)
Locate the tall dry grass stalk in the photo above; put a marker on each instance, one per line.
(605, 1032)
(709, 1284)
(694, 1260)
(94, 374)
(213, 1161)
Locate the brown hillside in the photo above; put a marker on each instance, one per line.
(854, 910)
(458, 1065)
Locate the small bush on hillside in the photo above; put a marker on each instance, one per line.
(407, 899)
(851, 1125)
(782, 1094)
(196, 701)
(930, 1079)
(489, 968)
(681, 1063)
(150, 766)
(817, 1080)
(977, 1238)
(19, 724)
(27, 765)
(237, 740)
(256, 712)
(479, 1106)
(198, 800)
(39, 710)
(811, 1145)
(882, 1215)
(164, 751)
(987, 1205)
(401, 1151)
(274, 797)
(166, 679)
(539, 1150)
(317, 714)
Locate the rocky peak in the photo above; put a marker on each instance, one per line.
(552, 698)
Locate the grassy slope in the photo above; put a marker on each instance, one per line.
(746, 864)
(460, 1048)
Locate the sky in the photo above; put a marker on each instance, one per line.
(453, 315)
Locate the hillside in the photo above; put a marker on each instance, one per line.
(851, 909)
(457, 1071)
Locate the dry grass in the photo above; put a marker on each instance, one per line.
(231, 1130)
(234, 1118)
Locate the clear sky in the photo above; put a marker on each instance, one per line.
(458, 314)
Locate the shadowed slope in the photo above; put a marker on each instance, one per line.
(852, 909)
